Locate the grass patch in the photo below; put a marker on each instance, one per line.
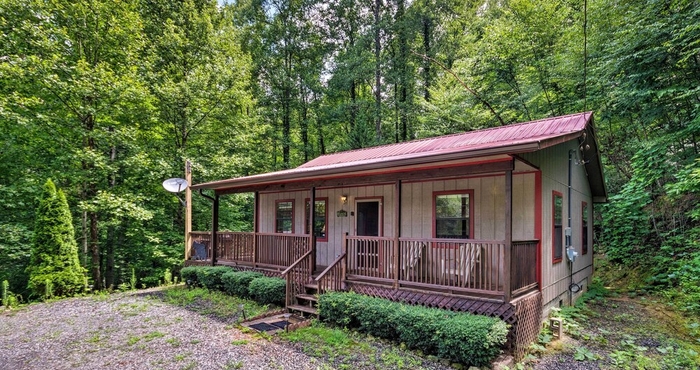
(211, 303)
(240, 342)
(346, 349)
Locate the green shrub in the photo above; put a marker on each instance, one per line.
(54, 268)
(465, 338)
(189, 276)
(267, 290)
(237, 282)
(210, 277)
(5, 293)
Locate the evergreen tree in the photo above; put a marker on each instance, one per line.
(54, 254)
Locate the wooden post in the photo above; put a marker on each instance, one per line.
(312, 220)
(188, 210)
(214, 228)
(509, 235)
(344, 248)
(256, 227)
(397, 231)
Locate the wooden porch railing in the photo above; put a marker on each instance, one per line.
(331, 279)
(297, 275)
(260, 249)
(465, 266)
(523, 262)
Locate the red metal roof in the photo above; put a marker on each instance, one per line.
(504, 140)
(539, 130)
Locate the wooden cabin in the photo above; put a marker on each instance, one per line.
(478, 221)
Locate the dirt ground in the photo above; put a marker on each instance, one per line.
(623, 333)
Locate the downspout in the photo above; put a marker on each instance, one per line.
(214, 224)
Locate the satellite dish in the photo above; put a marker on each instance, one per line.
(175, 185)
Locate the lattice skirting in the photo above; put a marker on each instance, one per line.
(504, 311)
(528, 314)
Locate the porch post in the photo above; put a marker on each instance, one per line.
(312, 220)
(256, 216)
(214, 228)
(509, 235)
(188, 210)
(397, 231)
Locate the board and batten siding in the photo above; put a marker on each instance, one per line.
(336, 226)
(489, 206)
(553, 163)
(417, 209)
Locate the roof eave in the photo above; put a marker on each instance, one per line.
(312, 173)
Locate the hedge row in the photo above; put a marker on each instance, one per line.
(461, 337)
(243, 284)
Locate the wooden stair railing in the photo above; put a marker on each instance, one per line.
(331, 279)
(298, 275)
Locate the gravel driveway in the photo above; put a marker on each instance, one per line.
(132, 331)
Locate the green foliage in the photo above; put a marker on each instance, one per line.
(464, 338)
(54, 268)
(210, 277)
(237, 282)
(5, 293)
(132, 280)
(168, 277)
(212, 303)
(14, 255)
(268, 290)
(189, 275)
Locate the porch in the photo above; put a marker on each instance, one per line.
(483, 269)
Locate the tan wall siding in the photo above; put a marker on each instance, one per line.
(553, 162)
(489, 206)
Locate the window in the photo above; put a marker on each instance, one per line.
(557, 226)
(319, 219)
(584, 228)
(453, 215)
(284, 216)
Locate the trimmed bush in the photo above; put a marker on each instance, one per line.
(210, 277)
(267, 290)
(237, 282)
(461, 337)
(189, 275)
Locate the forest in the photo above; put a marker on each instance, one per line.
(108, 98)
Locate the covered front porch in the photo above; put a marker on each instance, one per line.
(484, 269)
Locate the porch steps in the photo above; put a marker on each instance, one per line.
(306, 309)
(306, 302)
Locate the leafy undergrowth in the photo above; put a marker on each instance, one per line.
(213, 304)
(619, 332)
(346, 349)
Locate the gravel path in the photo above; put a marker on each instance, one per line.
(132, 331)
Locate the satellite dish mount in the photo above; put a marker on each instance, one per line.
(176, 185)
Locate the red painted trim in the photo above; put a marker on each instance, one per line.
(293, 215)
(471, 208)
(555, 194)
(381, 211)
(538, 224)
(584, 211)
(306, 220)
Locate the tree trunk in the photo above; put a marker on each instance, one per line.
(377, 73)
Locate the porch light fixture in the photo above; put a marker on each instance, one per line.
(344, 199)
(176, 185)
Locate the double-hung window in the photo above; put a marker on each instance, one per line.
(284, 216)
(453, 215)
(557, 226)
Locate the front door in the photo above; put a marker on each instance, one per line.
(368, 221)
